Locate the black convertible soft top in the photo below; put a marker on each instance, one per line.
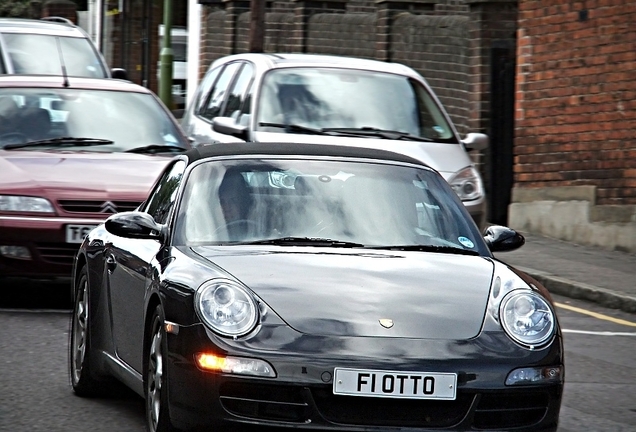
(300, 149)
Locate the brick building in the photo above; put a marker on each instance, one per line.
(575, 122)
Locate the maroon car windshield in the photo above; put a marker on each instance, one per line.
(113, 121)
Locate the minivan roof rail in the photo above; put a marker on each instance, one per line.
(58, 19)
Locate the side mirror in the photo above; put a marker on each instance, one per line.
(228, 126)
(503, 239)
(134, 225)
(119, 73)
(476, 141)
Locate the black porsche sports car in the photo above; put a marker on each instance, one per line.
(313, 287)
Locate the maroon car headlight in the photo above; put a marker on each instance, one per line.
(527, 318)
(226, 307)
(25, 204)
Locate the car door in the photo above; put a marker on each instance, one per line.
(199, 129)
(226, 97)
(130, 262)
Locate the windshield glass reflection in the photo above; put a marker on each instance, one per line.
(39, 55)
(130, 120)
(340, 98)
(362, 204)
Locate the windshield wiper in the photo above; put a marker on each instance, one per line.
(156, 148)
(427, 248)
(375, 132)
(60, 142)
(305, 241)
(295, 128)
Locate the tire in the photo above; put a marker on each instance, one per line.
(80, 351)
(156, 383)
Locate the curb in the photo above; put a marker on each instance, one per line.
(583, 291)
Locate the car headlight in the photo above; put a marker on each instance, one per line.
(527, 318)
(467, 184)
(226, 307)
(16, 203)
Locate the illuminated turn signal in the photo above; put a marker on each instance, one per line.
(235, 365)
(210, 361)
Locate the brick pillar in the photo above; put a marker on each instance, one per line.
(303, 11)
(60, 8)
(233, 9)
(386, 11)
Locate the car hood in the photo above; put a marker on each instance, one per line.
(321, 292)
(122, 174)
(443, 157)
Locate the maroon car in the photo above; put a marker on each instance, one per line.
(73, 151)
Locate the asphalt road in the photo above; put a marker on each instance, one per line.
(600, 391)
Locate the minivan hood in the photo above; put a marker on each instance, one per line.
(345, 293)
(446, 158)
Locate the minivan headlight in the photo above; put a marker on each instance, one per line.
(226, 307)
(527, 318)
(467, 184)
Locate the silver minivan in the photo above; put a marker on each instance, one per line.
(310, 98)
(50, 46)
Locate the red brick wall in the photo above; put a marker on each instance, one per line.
(576, 96)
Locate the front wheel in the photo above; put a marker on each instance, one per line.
(80, 351)
(157, 411)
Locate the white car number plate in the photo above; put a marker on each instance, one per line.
(405, 385)
(76, 233)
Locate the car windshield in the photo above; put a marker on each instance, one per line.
(35, 54)
(330, 98)
(324, 203)
(64, 117)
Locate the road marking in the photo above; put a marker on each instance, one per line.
(598, 333)
(597, 315)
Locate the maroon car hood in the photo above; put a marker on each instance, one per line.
(79, 175)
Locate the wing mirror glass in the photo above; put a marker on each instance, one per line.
(503, 239)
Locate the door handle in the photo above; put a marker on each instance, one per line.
(111, 263)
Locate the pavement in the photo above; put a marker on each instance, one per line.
(577, 271)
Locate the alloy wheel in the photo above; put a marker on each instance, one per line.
(155, 375)
(80, 331)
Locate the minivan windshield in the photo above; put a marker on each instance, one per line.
(349, 100)
(35, 54)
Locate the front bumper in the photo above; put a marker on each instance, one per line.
(301, 395)
(51, 257)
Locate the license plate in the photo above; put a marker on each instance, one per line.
(405, 385)
(76, 233)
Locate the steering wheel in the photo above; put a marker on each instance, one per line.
(13, 138)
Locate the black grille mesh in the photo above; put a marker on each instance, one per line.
(97, 207)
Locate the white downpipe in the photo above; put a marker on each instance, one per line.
(194, 44)
(99, 12)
